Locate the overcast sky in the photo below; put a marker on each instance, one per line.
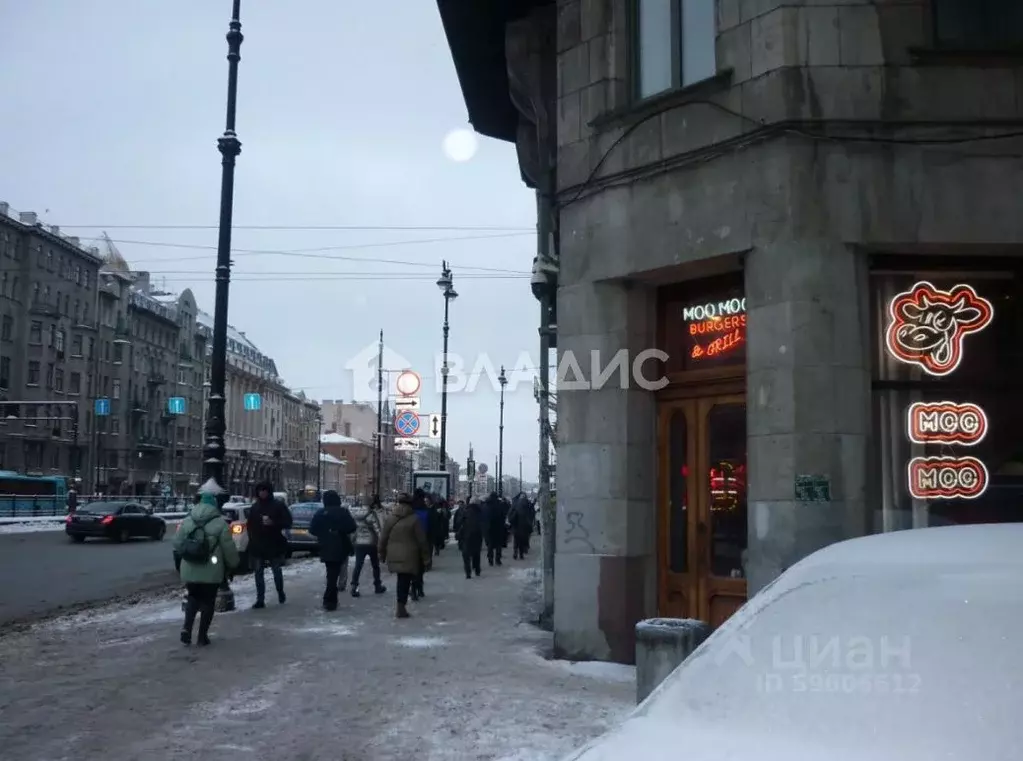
(112, 109)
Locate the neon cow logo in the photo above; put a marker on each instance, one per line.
(946, 423)
(928, 325)
(947, 478)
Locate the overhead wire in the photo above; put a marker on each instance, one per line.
(354, 228)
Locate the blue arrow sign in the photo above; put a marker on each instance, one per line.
(407, 423)
(253, 402)
(102, 407)
(176, 405)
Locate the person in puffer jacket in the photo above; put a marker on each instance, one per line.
(367, 537)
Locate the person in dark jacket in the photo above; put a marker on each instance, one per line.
(422, 511)
(494, 515)
(267, 522)
(521, 518)
(333, 526)
(438, 527)
(469, 534)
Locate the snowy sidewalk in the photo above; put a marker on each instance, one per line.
(463, 679)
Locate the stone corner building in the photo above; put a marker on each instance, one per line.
(814, 210)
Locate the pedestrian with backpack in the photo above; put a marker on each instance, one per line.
(207, 554)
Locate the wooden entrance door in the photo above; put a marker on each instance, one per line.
(702, 515)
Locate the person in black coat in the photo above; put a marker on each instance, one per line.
(469, 534)
(494, 534)
(333, 526)
(268, 519)
(521, 518)
(438, 527)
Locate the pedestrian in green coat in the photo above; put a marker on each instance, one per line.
(203, 579)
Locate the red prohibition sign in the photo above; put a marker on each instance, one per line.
(408, 383)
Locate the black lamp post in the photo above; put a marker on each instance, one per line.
(214, 450)
(470, 470)
(503, 380)
(447, 288)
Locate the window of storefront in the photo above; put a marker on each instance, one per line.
(947, 401)
(704, 325)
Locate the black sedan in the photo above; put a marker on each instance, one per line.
(119, 521)
(299, 538)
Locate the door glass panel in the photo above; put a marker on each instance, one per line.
(678, 471)
(726, 441)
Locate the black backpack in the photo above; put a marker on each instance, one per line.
(196, 547)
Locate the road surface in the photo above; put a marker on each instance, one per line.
(44, 571)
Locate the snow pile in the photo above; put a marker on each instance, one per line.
(420, 642)
(911, 635)
(610, 672)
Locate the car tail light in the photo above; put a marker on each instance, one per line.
(237, 528)
(107, 520)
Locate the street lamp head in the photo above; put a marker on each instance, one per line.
(450, 294)
(502, 378)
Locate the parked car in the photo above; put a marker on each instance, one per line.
(299, 538)
(119, 521)
(892, 647)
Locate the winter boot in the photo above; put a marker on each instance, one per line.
(379, 589)
(191, 608)
(259, 604)
(401, 611)
(281, 597)
(205, 619)
(355, 591)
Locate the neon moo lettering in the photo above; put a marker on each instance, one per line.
(927, 327)
(724, 322)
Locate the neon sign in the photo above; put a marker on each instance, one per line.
(947, 478)
(946, 423)
(928, 325)
(722, 322)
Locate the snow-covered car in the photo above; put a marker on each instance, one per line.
(893, 647)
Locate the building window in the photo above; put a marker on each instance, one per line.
(5, 372)
(58, 380)
(117, 388)
(76, 345)
(978, 24)
(118, 353)
(115, 426)
(75, 386)
(60, 341)
(78, 275)
(49, 374)
(8, 328)
(92, 347)
(33, 373)
(35, 332)
(53, 335)
(674, 42)
(49, 260)
(85, 278)
(947, 360)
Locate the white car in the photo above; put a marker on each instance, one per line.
(893, 647)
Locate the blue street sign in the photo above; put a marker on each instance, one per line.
(176, 405)
(102, 407)
(253, 402)
(406, 423)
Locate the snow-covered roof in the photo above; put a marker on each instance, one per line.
(893, 647)
(331, 459)
(233, 334)
(337, 438)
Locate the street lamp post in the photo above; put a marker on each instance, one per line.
(214, 450)
(447, 288)
(319, 455)
(470, 471)
(503, 380)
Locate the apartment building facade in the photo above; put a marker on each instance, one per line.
(82, 333)
(809, 209)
